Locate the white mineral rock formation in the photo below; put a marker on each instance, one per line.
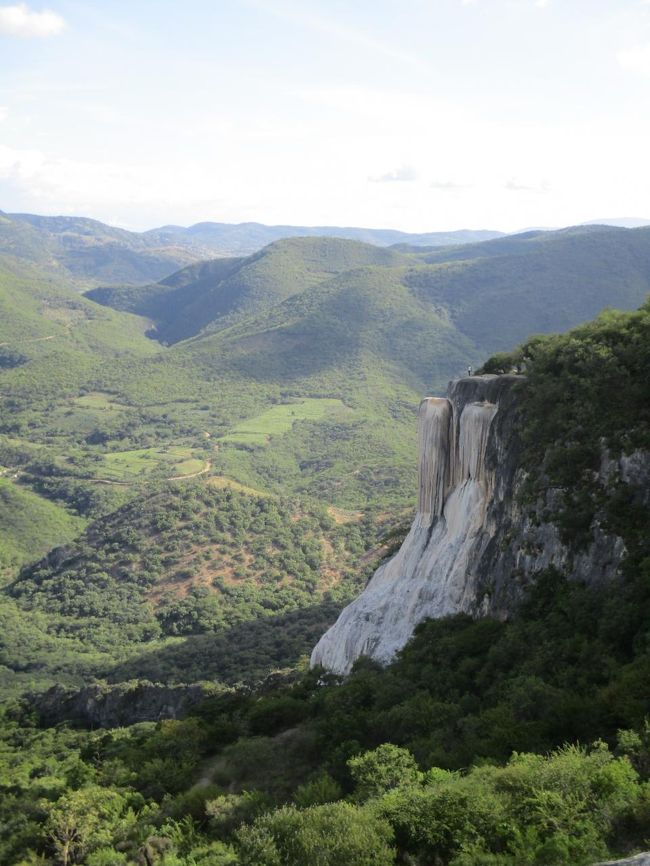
(432, 574)
(475, 543)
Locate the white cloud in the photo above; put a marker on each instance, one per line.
(448, 185)
(3, 112)
(20, 20)
(403, 173)
(514, 185)
(274, 168)
(636, 58)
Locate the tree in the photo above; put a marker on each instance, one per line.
(383, 768)
(83, 820)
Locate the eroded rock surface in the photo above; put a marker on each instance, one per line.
(473, 546)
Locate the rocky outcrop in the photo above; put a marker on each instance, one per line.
(104, 706)
(473, 545)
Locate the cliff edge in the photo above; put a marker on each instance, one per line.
(472, 547)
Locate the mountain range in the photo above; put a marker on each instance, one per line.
(495, 292)
(291, 374)
(87, 252)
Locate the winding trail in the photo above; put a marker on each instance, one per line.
(206, 468)
(35, 340)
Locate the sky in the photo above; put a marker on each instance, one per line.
(419, 115)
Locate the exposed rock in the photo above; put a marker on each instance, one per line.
(473, 546)
(104, 706)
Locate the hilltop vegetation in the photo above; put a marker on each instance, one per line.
(192, 560)
(587, 391)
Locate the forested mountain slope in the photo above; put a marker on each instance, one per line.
(51, 338)
(212, 294)
(494, 293)
(87, 252)
(499, 291)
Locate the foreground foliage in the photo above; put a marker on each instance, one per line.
(137, 796)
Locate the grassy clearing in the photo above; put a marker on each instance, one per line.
(128, 466)
(99, 400)
(190, 466)
(221, 482)
(280, 419)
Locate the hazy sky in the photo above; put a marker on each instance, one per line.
(419, 115)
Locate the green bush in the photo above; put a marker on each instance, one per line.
(338, 834)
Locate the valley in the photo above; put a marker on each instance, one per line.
(298, 378)
(217, 465)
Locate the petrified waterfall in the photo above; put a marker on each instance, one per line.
(434, 572)
(473, 546)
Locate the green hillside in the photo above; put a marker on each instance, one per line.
(495, 293)
(213, 294)
(368, 311)
(52, 339)
(89, 252)
(30, 526)
(190, 582)
(89, 400)
(537, 283)
(52, 343)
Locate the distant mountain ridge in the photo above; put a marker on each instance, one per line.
(245, 238)
(86, 252)
(493, 293)
(90, 253)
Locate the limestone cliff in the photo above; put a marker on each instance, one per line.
(472, 546)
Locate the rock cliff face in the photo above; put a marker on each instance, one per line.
(472, 546)
(113, 706)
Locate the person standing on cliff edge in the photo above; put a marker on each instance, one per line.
(469, 370)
